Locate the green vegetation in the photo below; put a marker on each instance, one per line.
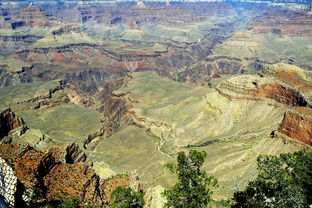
(268, 47)
(11, 95)
(13, 64)
(126, 198)
(194, 187)
(128, 148)
(64, 123)
(72, 37)
(64, 203)
(283, 181)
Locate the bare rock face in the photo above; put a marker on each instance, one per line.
(154, 198)
(281, 94)
(254, 88)
(69, 153)
(74, 154)
(216, 67)
(9, 122)
(297, 126)
(43, 175)
(8, 182)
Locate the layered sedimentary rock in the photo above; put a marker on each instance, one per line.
(10, 122)
(283, 83)
(216, 67)
(275, 35)
(252, 87)
(283, 22)
(33, 16)
(297, 126)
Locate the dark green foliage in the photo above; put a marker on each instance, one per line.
(194, 187)
(70, 203)
(66, 203)
(126, 198)
(203, 144)
(283, 181)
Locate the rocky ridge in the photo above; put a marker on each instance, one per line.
(297, 125)
(44, 176)
(9, 122)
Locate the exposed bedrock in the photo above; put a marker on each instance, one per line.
(8, 184)
(68, 153)
(116, 114)
(92, 81)
(12, 78)
(254, 88)
(282, 94)
(10, 122)
(217, 66)
(42, 175)
(297, 126)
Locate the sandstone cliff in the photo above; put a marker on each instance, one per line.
(297, 126)
(10, 122)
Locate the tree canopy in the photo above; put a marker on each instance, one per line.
(126, 198)
(193, 190)
(283, 181)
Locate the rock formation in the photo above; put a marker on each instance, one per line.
(9, 122)
(43, 176)
(297, 126)
(8, 182)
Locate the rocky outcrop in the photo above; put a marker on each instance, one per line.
(116, 114)
(74, 154)
(69, 153)
(12, 78)
(216, 67)
(282, 94)
(91, 81)
(8, 182)
(44, 176)
(10, 122)
(76, 180)
(254, 88)
(154, 198)
(297, 126)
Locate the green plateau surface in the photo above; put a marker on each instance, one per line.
(13, 64)
(11, 95)
(71, 37)
(65, 123)
(268, 47)
(130, 149)
(24, 31)
(179, 32)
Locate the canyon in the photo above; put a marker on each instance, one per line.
(97, 94)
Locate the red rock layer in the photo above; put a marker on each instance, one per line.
(279, 93)
(41, 173)
(297, 126)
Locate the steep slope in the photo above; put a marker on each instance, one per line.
(182, 117)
